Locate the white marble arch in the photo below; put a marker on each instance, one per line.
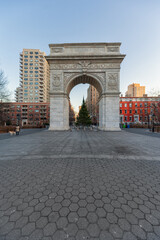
(95, 63)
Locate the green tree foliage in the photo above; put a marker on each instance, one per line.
(83, 116)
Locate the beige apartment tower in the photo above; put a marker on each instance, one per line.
(34, 77)
(135, 90)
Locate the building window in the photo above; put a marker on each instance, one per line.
(120, 111)
(26, 56)
(145, 104)
(145, 111)
(31, 83)
(130, 111)
(130, 105)
(125, 104)
(36, 75)
(125, 111)
(31, 64)
(36, 67)
(36, 71)
(26, 60)
(36, 83)
(135, 110)
(140, 118)
(26, 71)
(125, 118)
(146, 118)
(31, 56)
(25, 83)
(25, 79)
(36, 79)
(25, 63)
(36, 52)
(140, 110)
(36, 87)
(31, 71)
(31, 79)
(31, 75)
(130, 118)
(31, 52)
(140, 104)
(25, 52)
(135, 104)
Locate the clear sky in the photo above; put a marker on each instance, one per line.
(36, 23)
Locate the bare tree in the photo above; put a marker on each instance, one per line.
(154, 92)
(4, 97)
(4, 93)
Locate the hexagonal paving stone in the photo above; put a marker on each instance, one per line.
(73, 207)
(103, 223)
(116, 231)
(104, 235)
(124, 224)
(112, 218)
(82, 212)
(71, 229)
(62, 222)
(28, 229)
(93, 230)
(138, 231)
(73, 217)
(49, 229)
(82, 235)
(41, 222)
(92, 217)
(82, 223)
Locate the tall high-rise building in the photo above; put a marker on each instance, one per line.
(91, 102)
(135, 90)
(34, 77)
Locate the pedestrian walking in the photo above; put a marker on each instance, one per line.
(17, 130)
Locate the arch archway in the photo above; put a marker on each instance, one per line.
(95, 63)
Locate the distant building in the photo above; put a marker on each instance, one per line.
(139, 110)
(71, 114)
(30, 114)
(34, 77)
(92, 103)
(135, 90)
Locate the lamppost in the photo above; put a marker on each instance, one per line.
(153, 116)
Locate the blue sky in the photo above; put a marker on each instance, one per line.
(36, 23)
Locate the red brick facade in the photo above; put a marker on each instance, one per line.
(32, 114)
(139, 110)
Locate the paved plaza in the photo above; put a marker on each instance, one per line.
(79, 185)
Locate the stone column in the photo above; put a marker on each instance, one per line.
(109, 113)
(59, 111)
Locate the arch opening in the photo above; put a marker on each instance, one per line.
(84, 79)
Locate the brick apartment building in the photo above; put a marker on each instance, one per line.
(142, 110)
(32, 114)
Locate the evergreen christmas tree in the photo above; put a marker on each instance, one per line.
(83, 116)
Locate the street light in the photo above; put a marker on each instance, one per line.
(153, 116)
